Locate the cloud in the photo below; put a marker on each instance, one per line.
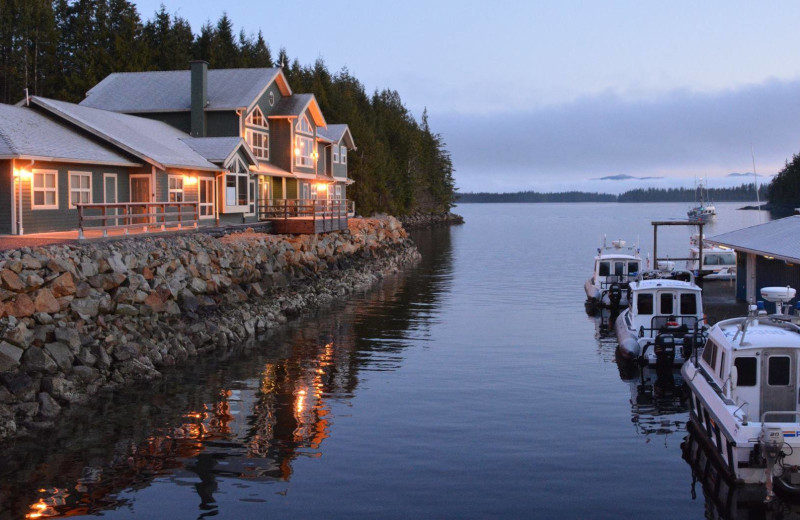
(623, 177)
(682, 134)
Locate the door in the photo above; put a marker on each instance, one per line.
(111, 196)
(206, 198)
(779, 374)
(140, 192)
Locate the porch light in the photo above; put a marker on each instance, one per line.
(321, 187)
(23, 174)
(314, 155)
(297, 150)
(190, 180)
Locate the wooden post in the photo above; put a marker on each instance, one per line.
(127, 209)
(655, 247)
(80, 220)
(105, 221)
(163, 217)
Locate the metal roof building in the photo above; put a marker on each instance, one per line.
(768, 255)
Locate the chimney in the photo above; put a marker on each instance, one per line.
(199, 97)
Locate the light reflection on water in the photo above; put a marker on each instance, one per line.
(472, 386)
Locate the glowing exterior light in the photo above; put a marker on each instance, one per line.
(24, 174)
(297, 150)
(189, 180)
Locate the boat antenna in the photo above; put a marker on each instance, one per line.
(755, 182)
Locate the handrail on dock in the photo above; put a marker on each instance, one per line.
(137, 215)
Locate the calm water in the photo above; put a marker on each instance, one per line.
(473, 386)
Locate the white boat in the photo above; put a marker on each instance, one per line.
(614, 267)
(663, 323)
(744, 397)
(719, 263)
(703, 212)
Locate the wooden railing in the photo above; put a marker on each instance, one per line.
(324, 210)
(131, 215)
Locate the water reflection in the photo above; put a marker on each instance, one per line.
(245, 414)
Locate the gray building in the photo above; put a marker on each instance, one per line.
(767, 255)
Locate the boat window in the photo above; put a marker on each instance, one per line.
(727, 259)
(633, 267)
(605, 269)
(778, 373)
(721, 365)
(710, 353)
(688, 304)
(644, 303)
(746, 368)
(619, 268)
(666, 303)
(711, 260)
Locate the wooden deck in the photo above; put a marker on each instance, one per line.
(305, 216)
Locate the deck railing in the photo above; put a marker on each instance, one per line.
(314, 209)
(132, 215)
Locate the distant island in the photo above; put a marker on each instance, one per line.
(743, 193)
(624, 177)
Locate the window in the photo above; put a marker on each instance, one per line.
(175, 188)
(710, 353)
(778, 371)
(666, 303)
(271, 98)
(335, 149)
(257, 136)
(304, 126)
(644, 303)
(80, 188)
(236, 190)
(258, 141)
(688, 304)
(619, 268)
(721, 364)
(605, 269)
(251, 191)
(338, 192)
(44, 189)
(746, 370)
(303, 148)
(343, 155)
(633, 267)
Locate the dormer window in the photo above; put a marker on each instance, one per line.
(343, 155)
(256, 133)
(304, 143)
(335, 153)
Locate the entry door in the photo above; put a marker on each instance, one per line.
(140, 192)
(779, 373)
(206, 198)
(110, 194)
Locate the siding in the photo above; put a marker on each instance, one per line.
(339, 169)
(775, 273)
(280, 142)
(291, 188)
(6, 198)
(222, 124)
(180, 120)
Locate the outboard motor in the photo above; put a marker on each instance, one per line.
(771, 440)
(615, 294)
(692, 342)
(664, 350)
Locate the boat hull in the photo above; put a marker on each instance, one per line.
(644, 349)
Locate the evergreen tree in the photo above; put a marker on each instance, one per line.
(224, 51)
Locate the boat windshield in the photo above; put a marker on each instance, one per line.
(719, 259)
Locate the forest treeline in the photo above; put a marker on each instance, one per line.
(743, 193)
(61, 48)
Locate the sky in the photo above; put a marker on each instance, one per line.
(555, 95)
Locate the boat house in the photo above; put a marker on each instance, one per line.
(767, 255)
(172, 149)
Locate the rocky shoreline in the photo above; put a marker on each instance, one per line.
(77, 319)
(426, 220)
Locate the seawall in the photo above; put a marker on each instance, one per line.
(77, 319)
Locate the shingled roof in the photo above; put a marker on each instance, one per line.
(219, 149)
(776, 238)
(170, 91)
(335, 133)
(27, 134)
(152, 141)
(295, 105)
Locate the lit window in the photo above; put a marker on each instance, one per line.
(335, 153)
(303, 148)
(343, 155)
(175, 188)
(45, 190)
(80, 188)
(256, 118)
(304, 126)
(236, 188)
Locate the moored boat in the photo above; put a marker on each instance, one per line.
(664, 322)
(744, 400)
(719, 263)
(614, 267)
(704, 211)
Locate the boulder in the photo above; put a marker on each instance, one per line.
(64, 285)
(86, 375)
(46, 302)
(23, 386)
(36, 360)
(48, 407)
(19, 335)
(69, 336)
(85, 307)
(61, 354)
(9, 356)
(11, 280)
(20, 307)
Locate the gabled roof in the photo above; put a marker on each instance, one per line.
(28, 134)
(152, 141)
(776, 239)
(219, 150)
(170, 91)
(294, 106)
(335, 134)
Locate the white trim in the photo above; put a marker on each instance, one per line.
(177, 191)
(271, 98)
(260, 152)
(116, 185)
(250, 119)
(301, 127)
(238, 172)
(335, 149)
(303, 144)
(80, 190)
(343, 154)
(45, 190)
(252, 189)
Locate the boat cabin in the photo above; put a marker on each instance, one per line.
(658, 305)
(756, 368)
